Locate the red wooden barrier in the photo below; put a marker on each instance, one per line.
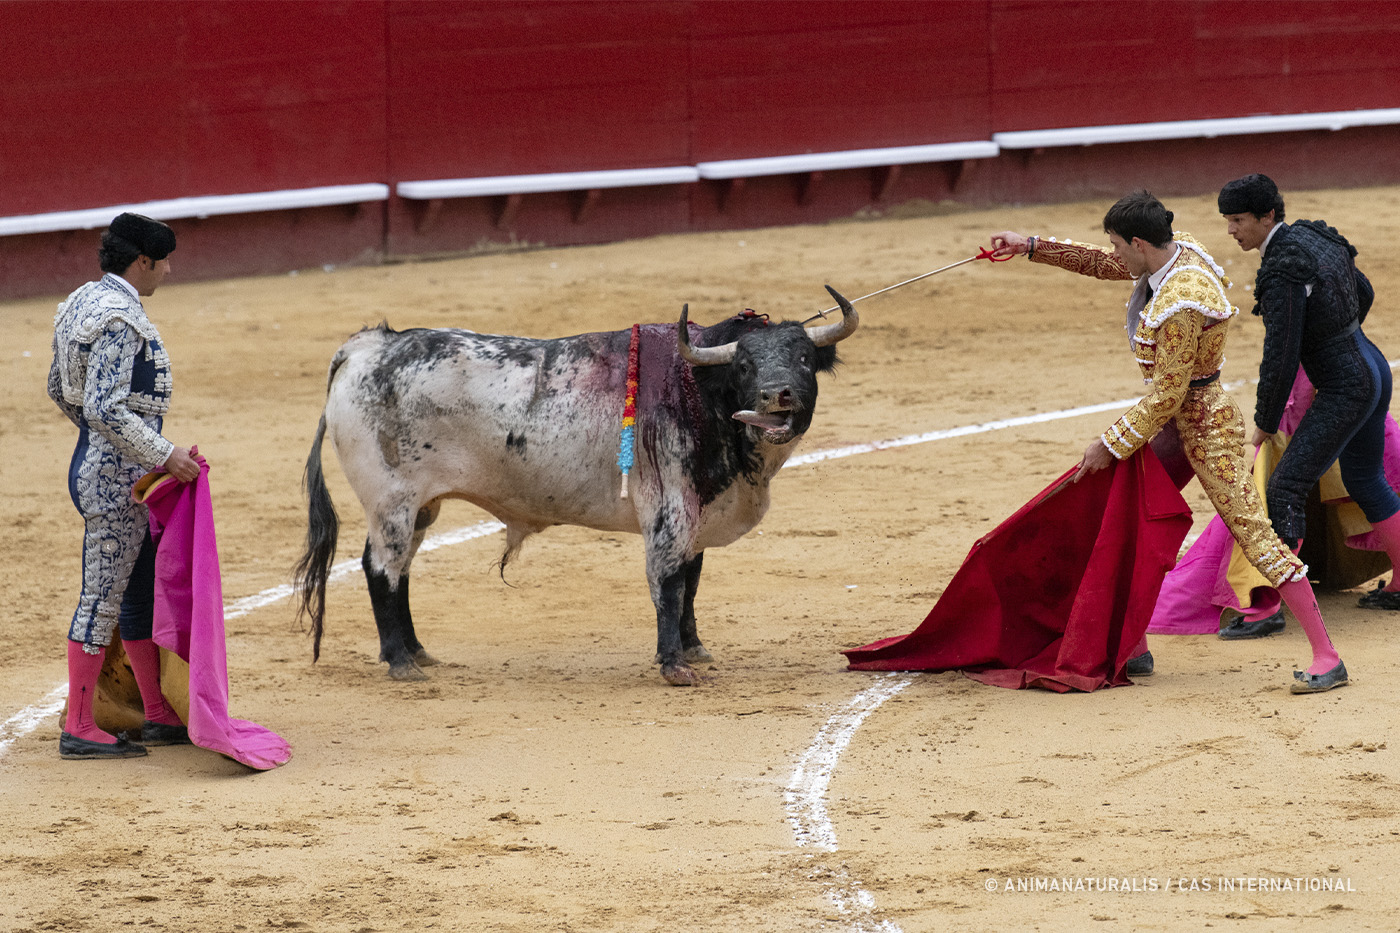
(110, 103)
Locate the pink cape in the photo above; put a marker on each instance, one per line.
(1059, 594)
(189, 617)
(1196, 593)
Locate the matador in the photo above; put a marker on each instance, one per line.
(1177, 319)
(111, 377)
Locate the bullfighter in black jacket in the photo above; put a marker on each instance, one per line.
(1313, 300)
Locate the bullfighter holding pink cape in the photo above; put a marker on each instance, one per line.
(189, 615)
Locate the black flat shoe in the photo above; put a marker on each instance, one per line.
(1380, 598)
(1240, 628)
(76, 749)
(1140, 666)
(159, 733)
(1319, 683)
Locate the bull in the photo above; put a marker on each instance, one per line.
(528, 430)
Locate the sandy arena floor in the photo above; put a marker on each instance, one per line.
(546, 778)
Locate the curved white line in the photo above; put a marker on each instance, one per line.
(28, 719)
(805, 797)
(805, 801)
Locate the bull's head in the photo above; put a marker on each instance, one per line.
(774, 370)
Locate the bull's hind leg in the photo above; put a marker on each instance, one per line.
(691, 648)
(394, 538)
(388, 596)
(426, 516)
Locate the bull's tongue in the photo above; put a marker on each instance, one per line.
(767, 420)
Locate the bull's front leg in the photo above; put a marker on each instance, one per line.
(695, 652)
(668, 594)
(668, 572)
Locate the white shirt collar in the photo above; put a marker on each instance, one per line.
(127, 285)
(1265, 245)
(1154, 281)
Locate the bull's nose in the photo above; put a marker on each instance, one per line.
(777, 398)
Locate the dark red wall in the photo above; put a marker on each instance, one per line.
(509, 89)
(106, 103)
(781, 78)
(1086, 63)
(116, 102)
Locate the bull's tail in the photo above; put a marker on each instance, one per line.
(322, 528)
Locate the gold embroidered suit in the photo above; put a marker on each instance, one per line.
(1180, 337)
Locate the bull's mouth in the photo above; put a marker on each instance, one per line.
(775, 426)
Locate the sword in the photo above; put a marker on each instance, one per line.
(984, 254)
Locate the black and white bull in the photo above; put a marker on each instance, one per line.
(528, 430)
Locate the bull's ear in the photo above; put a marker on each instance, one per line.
(826, 359)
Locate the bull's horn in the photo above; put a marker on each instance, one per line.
(700, 356)
(824, 335)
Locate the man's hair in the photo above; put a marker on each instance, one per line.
(133, 235)
(116, 254)
(1252, 194)
(1140, 215)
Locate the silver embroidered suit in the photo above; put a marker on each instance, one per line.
(111, 377)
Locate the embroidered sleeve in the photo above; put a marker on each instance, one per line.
(1171, 377)
(1084, 258)
(1188, 287)
(56, 387)
(106, 392)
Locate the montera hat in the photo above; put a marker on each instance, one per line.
(150, 237)
(1252, 194)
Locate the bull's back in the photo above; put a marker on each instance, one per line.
(522, 427)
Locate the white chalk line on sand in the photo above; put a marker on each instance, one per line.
(31, 717)
(805, 802)
(805, 796)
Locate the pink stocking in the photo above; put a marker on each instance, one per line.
(1298, 597)
(83, 671)
(1263, 607)
(144, 655)
(1388, 530)
(1140, 648)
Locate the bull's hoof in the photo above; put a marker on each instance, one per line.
(423, 659)
(679, 675)
(407, 671)
(698, 654)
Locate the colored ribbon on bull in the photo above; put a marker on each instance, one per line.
(629, 410)
(988, 254)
